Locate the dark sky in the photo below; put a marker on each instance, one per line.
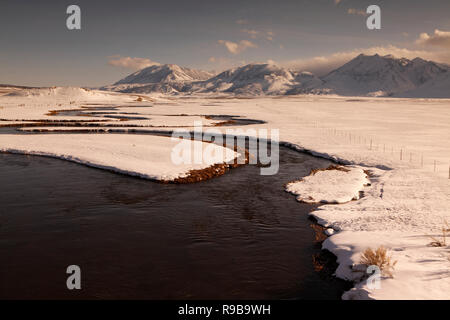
(38, 49)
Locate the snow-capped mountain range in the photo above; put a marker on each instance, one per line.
(382, 75)
(362, 76)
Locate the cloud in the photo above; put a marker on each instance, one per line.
(219, 64)
(242, 21)
(270, 35)
(354, 11)
(321, 65)
(254, 34)
(130, 63)
(439, 39)
(239, 47)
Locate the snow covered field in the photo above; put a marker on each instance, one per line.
(403, 143)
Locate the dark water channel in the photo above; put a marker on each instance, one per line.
(233, 237)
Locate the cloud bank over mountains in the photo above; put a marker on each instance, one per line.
(130, 63)
(439, 38)
(322, 65)
(237, 47)
(429, 46)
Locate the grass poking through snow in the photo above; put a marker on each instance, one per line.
(379, 258)
(442, 240)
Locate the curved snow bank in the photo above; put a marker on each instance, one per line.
(332, 185)
(137, 155)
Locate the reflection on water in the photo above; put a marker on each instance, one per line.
(236, 236)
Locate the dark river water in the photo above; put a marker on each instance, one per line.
(239, 236)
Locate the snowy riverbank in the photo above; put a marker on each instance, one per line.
(142, 156)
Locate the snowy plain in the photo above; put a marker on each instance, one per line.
(403, 143)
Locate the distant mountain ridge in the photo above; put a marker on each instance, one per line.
(251, 79)
(381, 75)
(362, 76)
(165, 78)
(165, 73)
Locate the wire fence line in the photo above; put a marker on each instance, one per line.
(400, 152)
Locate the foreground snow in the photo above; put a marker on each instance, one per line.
(421, 271)
(335, 185)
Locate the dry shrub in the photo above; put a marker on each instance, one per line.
(379, 258)
(331, 167)
(368, 173)
(319, 233)
(441, 241)
(52, 113)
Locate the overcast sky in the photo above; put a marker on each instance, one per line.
(117, 37)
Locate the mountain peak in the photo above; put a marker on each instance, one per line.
(164, 73)
(252, 79)
(365, 75)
